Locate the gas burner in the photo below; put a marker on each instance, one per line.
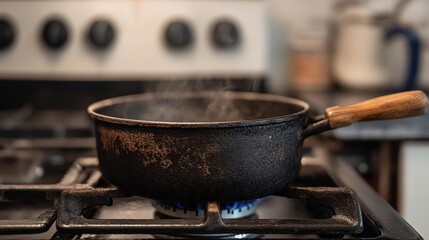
(231, 210)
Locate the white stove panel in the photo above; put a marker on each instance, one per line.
(138, 49)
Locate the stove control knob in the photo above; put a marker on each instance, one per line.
(178, 35)
(7, 34)
(101, 34)
(54, 33)
(225, 35)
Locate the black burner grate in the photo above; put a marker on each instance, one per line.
(78, 197)
(346, 218)
(71, 180)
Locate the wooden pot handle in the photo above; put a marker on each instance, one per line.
(399, 105)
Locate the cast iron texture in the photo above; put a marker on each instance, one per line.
(200, 164)
(202, 161)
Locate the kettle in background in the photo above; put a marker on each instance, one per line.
(359, 47)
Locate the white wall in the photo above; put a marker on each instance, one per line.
(413, 185)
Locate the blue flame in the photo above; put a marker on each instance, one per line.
(230, 206)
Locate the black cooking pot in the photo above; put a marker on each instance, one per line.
(201, 146)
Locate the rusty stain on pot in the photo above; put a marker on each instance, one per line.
(153, 151)
(199, 158)
(280, 154)
(204, 156)
(184, 161)
(166, 163)
(141, 143)
(107, 139)
(205, 169)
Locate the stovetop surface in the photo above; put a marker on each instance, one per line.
(44, 163)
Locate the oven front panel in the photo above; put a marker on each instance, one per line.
(52, 39)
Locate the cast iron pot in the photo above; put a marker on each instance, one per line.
(201, 146)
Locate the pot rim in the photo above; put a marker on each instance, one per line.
(93, 108)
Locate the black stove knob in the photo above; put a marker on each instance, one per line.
(101, 34)
(7, 35)
(225, 35)
(178, 35)
(55, 33)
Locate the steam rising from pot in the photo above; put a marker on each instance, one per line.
(213, 107)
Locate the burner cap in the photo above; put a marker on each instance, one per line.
(231, 210)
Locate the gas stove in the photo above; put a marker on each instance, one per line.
(67, 54)
(68, 199)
